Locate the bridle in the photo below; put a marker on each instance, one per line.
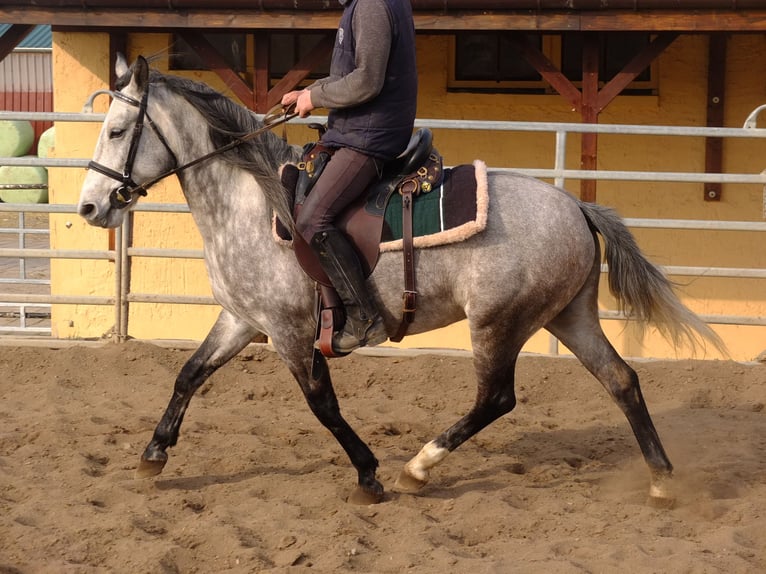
(125, 194)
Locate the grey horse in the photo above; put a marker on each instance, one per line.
(536, 265)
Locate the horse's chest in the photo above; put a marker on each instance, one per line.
(243, 278)
(229, 270)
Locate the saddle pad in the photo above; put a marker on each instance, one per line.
(450, 213)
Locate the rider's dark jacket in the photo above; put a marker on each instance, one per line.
(381, 127)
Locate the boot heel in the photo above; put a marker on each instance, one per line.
(376, 334)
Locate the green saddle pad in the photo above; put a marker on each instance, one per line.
(448, 206)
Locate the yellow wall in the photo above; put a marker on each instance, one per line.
(83, 57)
(681, 101)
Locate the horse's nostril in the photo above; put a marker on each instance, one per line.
(86, 209)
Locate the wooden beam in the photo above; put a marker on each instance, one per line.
(675, 21)
(146, 19)
(716, 92)
(261, 74)
(215, 63)
(591, 56)
(633, 68)
(302, 69)
(590, 101)
(548, 70)
(752, 20)
(498, 21)
(13, 37)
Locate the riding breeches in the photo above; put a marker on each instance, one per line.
(344, 179)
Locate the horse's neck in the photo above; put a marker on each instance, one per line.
(217, 192)
(221, 196)
(227, 202)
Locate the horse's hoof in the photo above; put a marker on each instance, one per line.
(408, 483)
(660, 494)
(149, 468)
(363, 497)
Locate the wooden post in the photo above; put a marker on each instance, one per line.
(118, 43)
(716, 90)
(589, 150)
(261, 73)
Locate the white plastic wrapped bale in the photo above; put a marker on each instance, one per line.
(20, 175)
(46, 143)
(16, 137)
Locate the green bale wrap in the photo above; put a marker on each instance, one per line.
(16, 137)
(18, 175)
(46, 142)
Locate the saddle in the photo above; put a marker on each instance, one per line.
(418, 169)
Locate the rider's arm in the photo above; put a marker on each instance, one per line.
(373, 34)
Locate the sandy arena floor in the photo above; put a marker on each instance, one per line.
(257, 485)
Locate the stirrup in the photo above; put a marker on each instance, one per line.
(373, 335)
(327, 342)
(325, 334)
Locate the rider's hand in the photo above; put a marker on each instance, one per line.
(290, 97)
(303, 105)
(302, 101)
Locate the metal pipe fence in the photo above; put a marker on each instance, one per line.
(123, 296)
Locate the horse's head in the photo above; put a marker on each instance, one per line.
(127, 157)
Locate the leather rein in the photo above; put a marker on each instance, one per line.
(125, 194)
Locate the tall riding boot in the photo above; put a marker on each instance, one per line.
(364, 326)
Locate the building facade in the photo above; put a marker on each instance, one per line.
(495, 65)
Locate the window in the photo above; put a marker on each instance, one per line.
(491, 57)
(491, 61)
(232, 47)
(285, 50)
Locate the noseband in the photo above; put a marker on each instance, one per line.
(125, 194)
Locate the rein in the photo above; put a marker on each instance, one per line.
(124, 195)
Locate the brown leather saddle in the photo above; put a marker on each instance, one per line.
(418, 169)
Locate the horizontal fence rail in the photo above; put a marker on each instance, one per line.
(123, 252)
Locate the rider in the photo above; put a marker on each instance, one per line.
(371, 93)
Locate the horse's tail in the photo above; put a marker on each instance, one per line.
(643, 292)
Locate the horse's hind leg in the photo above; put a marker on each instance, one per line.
(578, 327)
(227, 338)
(495, 365)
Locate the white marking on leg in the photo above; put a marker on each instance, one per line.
(428, 457)
(660, 489)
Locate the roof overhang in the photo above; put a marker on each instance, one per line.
(430, 15)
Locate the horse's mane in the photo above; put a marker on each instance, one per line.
(262, 156)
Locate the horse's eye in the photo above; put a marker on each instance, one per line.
(116, 133)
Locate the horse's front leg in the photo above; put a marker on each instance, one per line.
(227, 338)
(316, 384)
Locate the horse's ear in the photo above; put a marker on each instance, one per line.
(140, 73)
(121, 66)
